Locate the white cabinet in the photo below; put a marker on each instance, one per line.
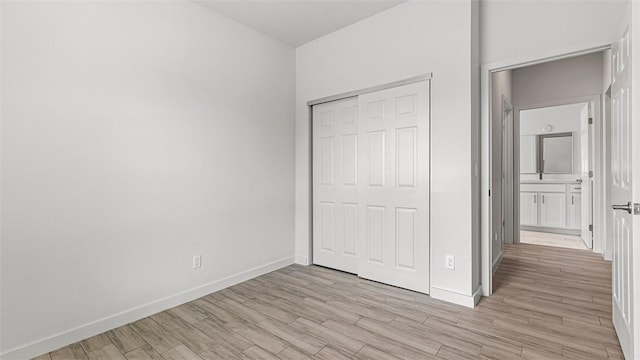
(574, 220)
(550, 206)
(529, 208)
(553, 210)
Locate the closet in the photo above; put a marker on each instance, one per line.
(371, 185)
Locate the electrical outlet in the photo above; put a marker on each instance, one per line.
(495, 238)
(450, 262)
(197, 261)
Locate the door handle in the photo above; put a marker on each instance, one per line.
(628, 207)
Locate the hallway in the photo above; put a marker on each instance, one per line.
(555, 299)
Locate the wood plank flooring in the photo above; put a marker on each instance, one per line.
(550, 239)
(549, 303)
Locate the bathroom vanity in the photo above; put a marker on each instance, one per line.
(552, 206)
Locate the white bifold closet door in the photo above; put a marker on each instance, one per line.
(371, 185)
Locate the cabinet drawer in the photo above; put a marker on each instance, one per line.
(575, 188)
(543, 188)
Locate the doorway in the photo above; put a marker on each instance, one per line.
(556, 172)
(546, 153)
(617, 196)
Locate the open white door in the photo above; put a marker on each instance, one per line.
(625, 171)
(586, 176)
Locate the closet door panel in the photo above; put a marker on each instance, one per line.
(394, 131)
(335, 185)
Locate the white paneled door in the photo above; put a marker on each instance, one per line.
(371, 183)
(335, 185)
(623, 170)
(394, 131)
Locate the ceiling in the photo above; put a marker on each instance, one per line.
(298, 21)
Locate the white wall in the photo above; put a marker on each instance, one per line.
(563, 118)
(399, 43)
(554, 81)
(135, 135)
(523, 29)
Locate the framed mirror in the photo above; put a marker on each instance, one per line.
(555, 153)
(550, 140)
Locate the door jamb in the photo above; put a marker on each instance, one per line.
(507, 107)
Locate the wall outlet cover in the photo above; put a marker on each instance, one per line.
(450, 262)
(197, 261)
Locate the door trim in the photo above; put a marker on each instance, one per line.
(486, 142)
(371, 89)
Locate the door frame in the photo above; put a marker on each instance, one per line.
(486, 248)
(507, 183)
(597, 199)
(508, 189)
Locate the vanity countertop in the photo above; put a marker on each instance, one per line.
(549, 181)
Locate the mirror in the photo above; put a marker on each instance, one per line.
(550, 139)
(556, 153)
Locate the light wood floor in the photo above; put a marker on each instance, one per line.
(549, 239)
(548, 303)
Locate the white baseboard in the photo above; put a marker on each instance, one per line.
(99, 326)
(302, 260)
(455, 297)
(477, 295)
(497, 261)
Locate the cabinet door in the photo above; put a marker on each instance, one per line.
(553, 211)
(529, 208)
(575, 211)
